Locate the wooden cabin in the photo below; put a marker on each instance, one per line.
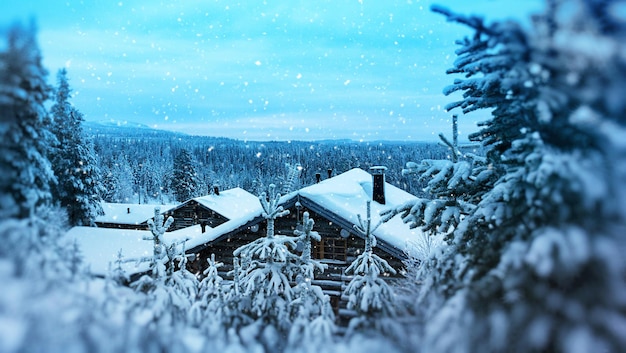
(334, 204)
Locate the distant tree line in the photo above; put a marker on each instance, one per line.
(144, 165)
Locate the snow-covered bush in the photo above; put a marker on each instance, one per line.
(49, 303)
(220, 310)
(313, 320)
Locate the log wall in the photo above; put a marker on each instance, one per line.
(192, 213)
(337, 250)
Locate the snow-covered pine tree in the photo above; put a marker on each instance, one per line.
(454, 186)
(169, 288)
(79, 187)
(119, 181)
(293, 177)
(268, 267)
(536, 265)
(25, 172)
(306, 235)
(311, 312)
(368, 294)
(184, 177)
(116, 272)
(237, 308)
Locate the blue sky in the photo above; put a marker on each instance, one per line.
(261, 70)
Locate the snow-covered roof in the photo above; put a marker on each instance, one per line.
(231, 203)
(345, 196)
(119, 213)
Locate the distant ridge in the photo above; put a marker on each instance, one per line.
(132, 130)
(127, 129)
(118, 123)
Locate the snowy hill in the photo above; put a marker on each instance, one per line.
(126, 129)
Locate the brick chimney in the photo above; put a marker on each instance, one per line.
(318, 177)
(378, 184)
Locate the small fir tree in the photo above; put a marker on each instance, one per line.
(306, 235)
(169, 291)
(368, 294)
(311, 312)
(313, 319)
(208, 310)
(268, 267)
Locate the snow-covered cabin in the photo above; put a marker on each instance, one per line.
(124, 226)
(234, 218)
(213, 210)
(335, 205)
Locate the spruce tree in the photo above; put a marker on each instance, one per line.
(313, 320)
(534, 266)
(119, 181)
(268, 267)
(368, 294)
(79, 187)
(306, 235)
(184, 177)
(25, 172)
(170, 289)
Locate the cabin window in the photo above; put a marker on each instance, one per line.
(330, 249)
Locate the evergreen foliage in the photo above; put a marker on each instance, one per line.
(313, 320)
(118, 181)
(305, 236)
(79, 187)
(312, 316)
(293, 177)
(220, 310)
(184, 177)
(169, 289)
(368, 294)
(268, 267)
(532, 264)
(25, 172)
(246, 164)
